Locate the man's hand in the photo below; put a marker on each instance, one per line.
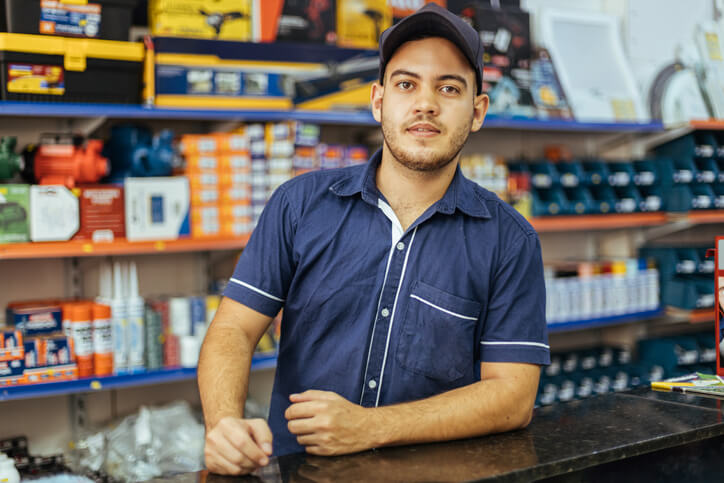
(238, 446)
(327, 424)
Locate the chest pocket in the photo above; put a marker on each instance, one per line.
(437, 335)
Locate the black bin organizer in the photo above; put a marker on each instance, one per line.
(41, 68)
(28, 17)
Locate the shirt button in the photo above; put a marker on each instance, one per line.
(400, 246)
(385, 312)
(372, 384)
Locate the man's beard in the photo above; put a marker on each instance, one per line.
(425, 160)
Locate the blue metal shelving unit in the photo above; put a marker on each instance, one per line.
(603, 321)
(121, 111)
(93, 384)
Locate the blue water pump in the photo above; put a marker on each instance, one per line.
(135, 152)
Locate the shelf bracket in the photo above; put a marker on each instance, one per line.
(87, 126)
(674, 226)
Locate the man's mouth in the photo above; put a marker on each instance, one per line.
(423, 130)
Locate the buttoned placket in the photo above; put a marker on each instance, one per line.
(386, 309)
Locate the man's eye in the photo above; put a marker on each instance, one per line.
(450, 90)
(404, 85)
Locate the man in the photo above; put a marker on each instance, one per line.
(414, 304)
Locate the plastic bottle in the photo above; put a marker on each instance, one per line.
(135, 312)
(82, 333)
(102, 340)
(119, 311)
(618, 286)
(8, 472)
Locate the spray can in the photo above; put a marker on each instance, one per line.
(119, 310)
(102, 340)
(136, 308)
(82, 333)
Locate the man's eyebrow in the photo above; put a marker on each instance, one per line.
(404, 72)
(454, 77)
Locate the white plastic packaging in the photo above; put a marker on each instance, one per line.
(119, 313)
(135, 307)
(8, 472)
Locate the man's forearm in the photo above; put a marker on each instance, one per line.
(223, 373)
(488, 406)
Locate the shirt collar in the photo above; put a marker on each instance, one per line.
(461, 194)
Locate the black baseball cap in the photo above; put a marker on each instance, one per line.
(435, 21)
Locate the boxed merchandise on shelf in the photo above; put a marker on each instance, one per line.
(360, 22)
(204, 19)
(97, 19)
(11, 344)
(54, 213)
(157, 208)
(102, 215)
(14, 213)
(584, 291)
(50, 69)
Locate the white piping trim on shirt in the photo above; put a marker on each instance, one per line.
(250, 287)
(374, 326)
(397, 231)
(392, 318)
(455, 314)
(535, 344)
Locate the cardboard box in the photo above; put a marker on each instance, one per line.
(360, 22)
(11, 345)
(34, 320)
(207, 19)
(305, 21)
(54, 213)
(48, 352)
(12, 368)
(102, 216)
(14, 213)
(157, 208)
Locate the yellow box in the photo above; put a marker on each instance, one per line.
(235, 162)
(204, 196)
(360, 22)
(208, 19)
(201, 162)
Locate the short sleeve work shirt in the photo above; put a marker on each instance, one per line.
(380, 315)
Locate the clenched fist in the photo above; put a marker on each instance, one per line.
(238, 446)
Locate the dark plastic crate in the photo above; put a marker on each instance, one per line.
(28, 17)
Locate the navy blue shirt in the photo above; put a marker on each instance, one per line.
(382, 316)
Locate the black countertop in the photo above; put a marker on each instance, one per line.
(561, 440)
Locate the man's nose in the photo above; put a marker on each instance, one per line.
(426, 102)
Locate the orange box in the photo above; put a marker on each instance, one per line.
(236, 194)
(199, 144)
(11, 345)
(233, 142)
(234, 178)
(235, 211)
(200, 180)
(239, 227)
(235, 161)
(202, 162)
(205, 196)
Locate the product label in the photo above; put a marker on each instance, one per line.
(645, 178)
(69, 19)
(36, 79)
(102, 336)
(82, 338)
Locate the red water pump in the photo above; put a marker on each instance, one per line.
(64, 160)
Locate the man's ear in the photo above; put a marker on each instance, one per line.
(376, 100)
(480, 108)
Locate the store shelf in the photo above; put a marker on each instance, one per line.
(79, 248)
(699, 217)
(698, 316)
(121, 111)
(710, 124)
(161, 376)
(604, 321)
(597, 222)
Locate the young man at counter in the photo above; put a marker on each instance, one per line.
(414, 304)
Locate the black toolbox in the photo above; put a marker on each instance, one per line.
(54, 69)
(96, 19)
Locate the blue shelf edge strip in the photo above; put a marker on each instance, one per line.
(361, 118)
(94, 384)
(603, 321)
